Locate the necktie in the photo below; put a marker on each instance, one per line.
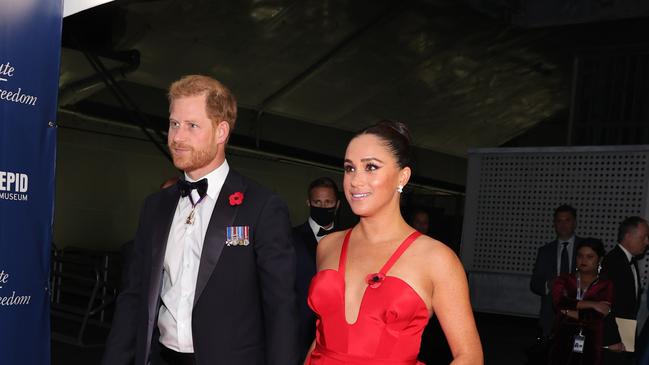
(322, 232)
(565, 262)
(186, 187)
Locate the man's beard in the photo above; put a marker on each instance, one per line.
(195, 160)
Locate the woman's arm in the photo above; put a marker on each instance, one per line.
(451, 304)
(307, 360)
(601, 307)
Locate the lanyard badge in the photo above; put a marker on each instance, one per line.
(578, 344)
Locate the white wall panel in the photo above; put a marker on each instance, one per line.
(511, 195)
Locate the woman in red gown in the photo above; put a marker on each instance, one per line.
(379, 282)
(581, 300)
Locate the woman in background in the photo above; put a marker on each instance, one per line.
(582, 300)
(379, 282)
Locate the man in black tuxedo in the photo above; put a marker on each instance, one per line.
(323, 203)
(620, 266)
(554, 258)
(212, 279)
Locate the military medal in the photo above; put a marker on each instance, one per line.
(190, 217)
(237, 236)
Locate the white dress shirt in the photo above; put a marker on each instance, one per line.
(315, 227)
(181, 263)
(629, 257)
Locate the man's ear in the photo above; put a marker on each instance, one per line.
(222, 132)
(308, 203)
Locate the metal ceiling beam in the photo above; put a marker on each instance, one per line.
(279, 150)
(126, 103)
(391, 9)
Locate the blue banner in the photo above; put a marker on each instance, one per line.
(30, 42)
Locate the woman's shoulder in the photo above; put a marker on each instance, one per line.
(437, 255)
(436, 249)
(566, 279)
(604, 281)
(329, 247)
(332, 240)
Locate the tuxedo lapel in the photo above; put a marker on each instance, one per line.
(309, 240)
(223, 216)
(162, 226)
(637, 277)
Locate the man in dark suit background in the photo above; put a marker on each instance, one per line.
(554, 258)
(642, 354)
(323, 203)
(212, 279)
(620, 266)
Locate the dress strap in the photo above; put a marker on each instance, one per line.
(343, 252)
(400, 250)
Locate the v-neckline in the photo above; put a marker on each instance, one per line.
(342, 263)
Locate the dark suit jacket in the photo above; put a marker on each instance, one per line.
(616, 268)
(305, 251)
(642, 342)
(545, 269)
(244, 306)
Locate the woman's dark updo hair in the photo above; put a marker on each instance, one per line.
(396, 137)
(595, 244)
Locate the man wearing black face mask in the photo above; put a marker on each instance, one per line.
(323, 204)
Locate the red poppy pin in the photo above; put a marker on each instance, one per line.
(236, 198)
(375, 280)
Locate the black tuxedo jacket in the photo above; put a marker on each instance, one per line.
(615, 267)
(305, 251)
(545, 269)
(244, 307)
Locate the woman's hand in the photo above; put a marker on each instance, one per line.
(571, 313)
(602, 307)
(618, 347)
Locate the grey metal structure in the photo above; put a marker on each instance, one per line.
(511, 194)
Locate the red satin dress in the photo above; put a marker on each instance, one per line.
(391, 318)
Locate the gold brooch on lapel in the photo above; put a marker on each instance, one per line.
(237, 236)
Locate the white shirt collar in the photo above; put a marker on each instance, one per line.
(315, 227)
(215, 179)
(570, 240)
(628, 254)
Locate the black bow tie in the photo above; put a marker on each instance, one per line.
(186, 187)
(322, 232)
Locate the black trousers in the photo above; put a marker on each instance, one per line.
(616, 358)
(166, 356)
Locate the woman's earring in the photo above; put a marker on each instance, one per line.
(599, 268)
(400, 189)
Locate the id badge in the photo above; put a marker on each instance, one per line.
(578, 344)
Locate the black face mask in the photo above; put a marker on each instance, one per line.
(323, 216)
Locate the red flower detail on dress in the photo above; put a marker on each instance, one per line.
(375, 280)
(236, 198)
